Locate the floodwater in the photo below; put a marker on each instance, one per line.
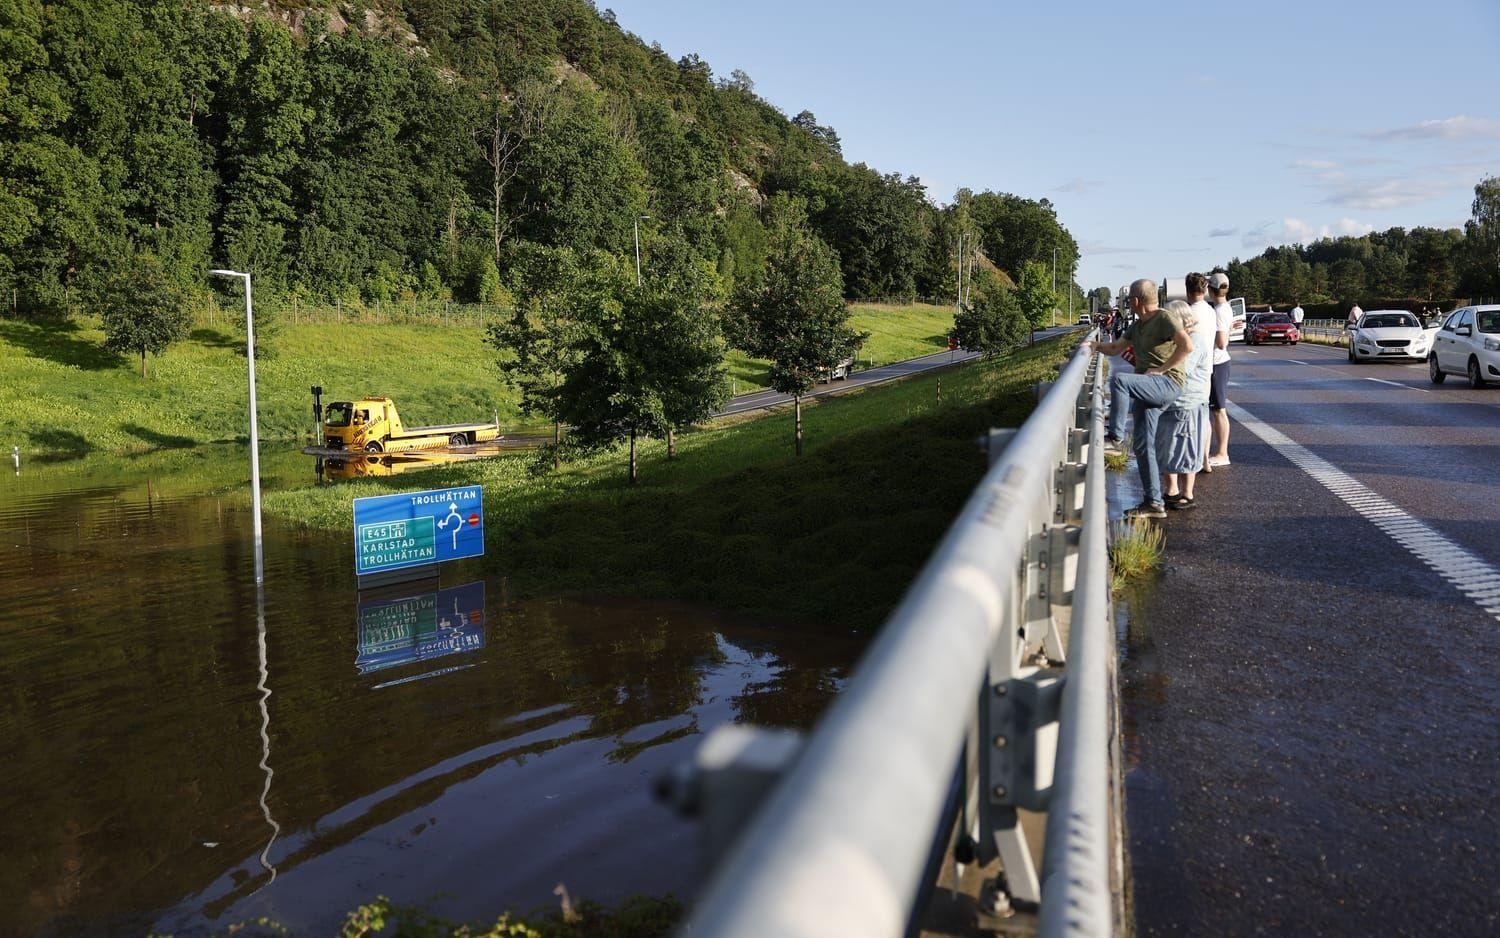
(173, 762)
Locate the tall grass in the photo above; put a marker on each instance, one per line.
(1135, 550)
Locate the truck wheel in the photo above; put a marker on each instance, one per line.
(374, 447)
(458, 439)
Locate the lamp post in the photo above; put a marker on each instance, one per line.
(260, 562)
(1054, 286)
(636, 224)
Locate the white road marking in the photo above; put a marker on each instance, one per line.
(1250, 350)
(1467, 573)
(1397, 384)
(1296, 362)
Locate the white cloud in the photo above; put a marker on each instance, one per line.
(1461, 127)
(1078, 185)
(1313, 164)
(1382, 194)
(1223, 232)
(1300, 231)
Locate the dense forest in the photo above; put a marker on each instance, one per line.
(1393, 267)
(355, 154)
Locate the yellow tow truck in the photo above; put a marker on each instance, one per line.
(372, 425)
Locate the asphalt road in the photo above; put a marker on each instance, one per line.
(760, 400)
(1312, 685)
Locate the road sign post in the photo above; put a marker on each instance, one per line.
(404, 537)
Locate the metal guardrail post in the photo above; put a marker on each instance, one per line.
(840, 845)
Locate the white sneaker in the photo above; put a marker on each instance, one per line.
(1215, 462)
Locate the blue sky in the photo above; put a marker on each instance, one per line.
(1170, 135)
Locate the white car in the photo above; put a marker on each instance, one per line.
(1388, 333)
(1237, 319)
(1467, 344)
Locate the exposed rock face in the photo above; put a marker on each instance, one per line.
(373, 22)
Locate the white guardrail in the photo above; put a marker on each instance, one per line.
(991, 690)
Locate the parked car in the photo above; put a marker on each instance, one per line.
(1467, 344)
(1083, 319)
(1388, 333)
(1271, 327)
(1237, 318)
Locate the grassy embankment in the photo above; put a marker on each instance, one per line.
(60, 392)
(737, 521)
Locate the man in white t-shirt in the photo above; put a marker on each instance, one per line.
(1218, 392)
(1178, 485)
(1354, 313)
(1297, 313)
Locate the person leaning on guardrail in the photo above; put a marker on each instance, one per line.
(1160, 342)
(1181, 432)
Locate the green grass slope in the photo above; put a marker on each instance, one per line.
(60, 392)
(738, 521)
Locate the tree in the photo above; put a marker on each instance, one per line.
(540, 341)
(1481, 258)
(142, 308)
(649, 358)
(268, 117)
(1035, 296)
(1346, 280)
(510, 122)
(993, 321)
(796, 313)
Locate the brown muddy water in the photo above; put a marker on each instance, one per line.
(169, 765)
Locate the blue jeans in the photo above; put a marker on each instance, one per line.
(1145, 395)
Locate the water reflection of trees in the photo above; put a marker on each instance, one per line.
(131, 715)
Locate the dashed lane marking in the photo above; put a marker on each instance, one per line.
(1470, 575)
(1296, 362)
(1398, 384)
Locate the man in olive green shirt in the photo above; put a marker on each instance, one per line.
(1161, 344)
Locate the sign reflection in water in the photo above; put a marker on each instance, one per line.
(399, 630)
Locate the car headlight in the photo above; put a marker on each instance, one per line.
(1492, 345)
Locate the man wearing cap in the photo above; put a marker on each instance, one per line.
(1218, 390)
(1161, 344)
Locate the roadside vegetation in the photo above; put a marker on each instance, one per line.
(736, 519)
(62, 392)
(1134, 551)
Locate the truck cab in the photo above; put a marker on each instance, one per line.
(362, 425)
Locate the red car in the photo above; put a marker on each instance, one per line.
(1271, 327)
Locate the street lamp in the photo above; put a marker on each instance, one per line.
(636, 224)
(260, 563)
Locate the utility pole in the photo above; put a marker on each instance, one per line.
(1054, 285)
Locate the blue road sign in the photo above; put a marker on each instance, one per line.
(417, 529)
(418, 628)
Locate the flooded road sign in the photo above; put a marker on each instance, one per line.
(417, 529)
(400, 630)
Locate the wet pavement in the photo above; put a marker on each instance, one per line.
(1312, 711)
(170, 764)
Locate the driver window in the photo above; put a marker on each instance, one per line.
(1467, 319)
(1452, 322)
